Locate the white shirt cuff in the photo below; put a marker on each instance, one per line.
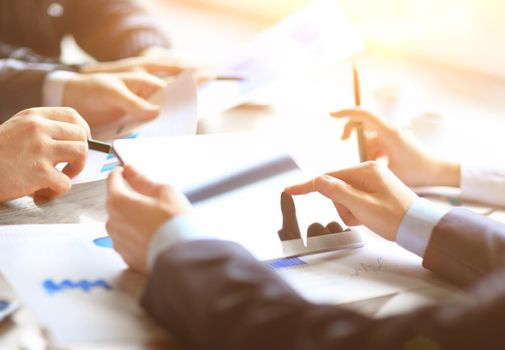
(417, 226)
(54, 88)
(483, 184)
(177, 229)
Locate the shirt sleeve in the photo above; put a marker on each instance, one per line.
(177, 229)
(484, 184)
(415, 230)
(54, 88)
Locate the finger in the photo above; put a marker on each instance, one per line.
(119, 195)
(57, 184)
(65, 114)
(115, 183)
(142, 83)
(302, 188)
(74, 153)
(139, 182)
(359, 115)
(348, 129)
(161, 68)
(346, 215)
(115, 228)
(62, 131)
(337, 190)
(373, 148)
(136, 105)
(348, 175)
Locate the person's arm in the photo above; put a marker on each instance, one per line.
(464, 247)
(214, 295)
(112, 29)
(415, 165)
(21, 85)
(409, 159)
(27, 55)
(458, 245)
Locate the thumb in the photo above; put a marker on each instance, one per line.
(338, 191)
(139, 182)
(57, 184)
(135, 105)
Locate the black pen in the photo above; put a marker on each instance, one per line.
(99, 146)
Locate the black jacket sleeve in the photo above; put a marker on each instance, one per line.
(23, 54)
(21, 85)
(105, 29)
(215, 295)
(112, 29)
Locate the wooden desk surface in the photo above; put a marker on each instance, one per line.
(426, 87)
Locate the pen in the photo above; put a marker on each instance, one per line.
(359, 125)
(99, 146)
(228, 78)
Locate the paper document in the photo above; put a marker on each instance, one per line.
(378, 268)
(249, 213)
(79, 289)
(75, 284)
(318, 34)
(191, 162)
(178, 116)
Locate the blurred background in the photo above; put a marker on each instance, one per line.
(463, 33)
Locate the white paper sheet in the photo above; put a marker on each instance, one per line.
(178, 116)
(379, 268)
(82, 293)
(318, 34)
(99, 301)
(251, 214)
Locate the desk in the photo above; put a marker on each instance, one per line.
(450, 92)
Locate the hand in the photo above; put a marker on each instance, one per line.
(407, 157)
(368, 194)
(105, 98)
(135, 214)
(32, 143)
(159, 61)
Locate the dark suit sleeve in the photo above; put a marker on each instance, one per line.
(24, 54)
(465, 246)
(21, 85)
(215, 295)
(112, 29)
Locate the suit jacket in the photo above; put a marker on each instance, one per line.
(31, 32)
(105, 29)
(215, 295)
(21, 84)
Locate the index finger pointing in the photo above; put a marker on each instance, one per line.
(299, 189)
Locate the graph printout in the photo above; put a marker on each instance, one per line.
(79, 288)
